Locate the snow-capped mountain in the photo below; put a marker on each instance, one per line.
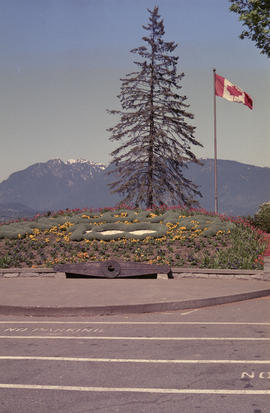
(79, 183)
(56, 184)
(84, 161)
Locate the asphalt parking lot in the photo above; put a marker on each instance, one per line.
(203, 360)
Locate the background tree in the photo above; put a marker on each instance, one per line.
(255, 16)
(156, 138)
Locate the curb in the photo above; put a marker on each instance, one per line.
(178, 273)
(133, 308)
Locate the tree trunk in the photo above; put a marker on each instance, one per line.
(151, 138)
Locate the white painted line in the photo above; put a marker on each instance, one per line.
(139, 338)
(132, 389)
(142, 322)
(153, 361)
(189, 312)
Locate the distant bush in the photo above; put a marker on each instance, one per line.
(261, 219)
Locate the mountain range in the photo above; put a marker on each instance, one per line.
(55, 184)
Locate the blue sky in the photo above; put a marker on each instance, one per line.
(60, 67)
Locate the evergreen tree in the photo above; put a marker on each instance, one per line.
(156, 138)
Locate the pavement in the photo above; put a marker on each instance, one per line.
(60, 296)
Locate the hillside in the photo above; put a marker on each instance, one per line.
(57, 185)
(241, 187)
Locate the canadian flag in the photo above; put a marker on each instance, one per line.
(233, 93)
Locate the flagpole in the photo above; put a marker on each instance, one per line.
(215, 144)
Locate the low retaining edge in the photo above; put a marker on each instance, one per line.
(178, 273)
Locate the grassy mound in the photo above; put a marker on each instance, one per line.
(177, 237)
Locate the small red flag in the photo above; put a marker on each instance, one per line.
(233, 93)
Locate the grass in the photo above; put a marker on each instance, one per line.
(191, 239)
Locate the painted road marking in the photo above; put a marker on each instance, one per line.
(154, 361)
(189, 312)
(252, 375)
(133, 389)
(141, 322)
(140, 338)
(52, 330)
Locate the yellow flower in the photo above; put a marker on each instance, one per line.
(176, 237)
(65, 226)
(152, 215)
(53, 229)
(82, 255)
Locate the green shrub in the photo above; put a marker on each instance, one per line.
(117, 215)
(210, 225)
(42, 223)
(59, 220)
(212, 230)
(11, 231)
(171, 216)
(76, 219)
(243, 253)
(5, 261)
(78, 231)
(261, 219)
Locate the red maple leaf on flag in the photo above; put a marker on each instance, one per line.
(234, 91)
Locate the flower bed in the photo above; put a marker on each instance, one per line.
(176, 236)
